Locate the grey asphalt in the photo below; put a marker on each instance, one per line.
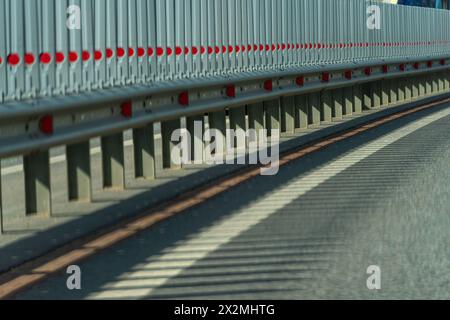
(392, 209)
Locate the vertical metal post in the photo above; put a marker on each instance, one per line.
(37, 183)
(326, 106)
(393, 91)
(348, 101)
(272, 110)
(288, 114)
(144, 152)
(256, 116)
(301, 104)
(385, 91)
(375, 89)
(113, 162)
(338, 104)
(218, 121)
(367, 96)
(167, 128)
(357, 99)
(197, 146)
(314, 109)
(79, 172)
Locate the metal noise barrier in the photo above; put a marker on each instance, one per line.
(59, 47)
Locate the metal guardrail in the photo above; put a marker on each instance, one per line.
(331, 70)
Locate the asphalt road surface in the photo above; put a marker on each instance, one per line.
(381, 199)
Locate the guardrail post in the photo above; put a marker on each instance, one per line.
(37, 183)
(338, 106)
(375, 90)
(144, 152)
(434, 77)
(415, 87)
(79, 172)
(197, 146)
(314, 109)
(113, 162)
(357, 99)
(348, 101)
(385, 90)
(288, 115)
(272, 115)
(393, 91)
(218, 121)
(422, 85)
(301, 103)
(256, 116)
(367, 96)
(441, 81)
(167, 128)
(428, 85)
(326, 106)
(446, 81)
(401, 89)
(407, 84)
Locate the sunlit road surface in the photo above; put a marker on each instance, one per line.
(378, 199)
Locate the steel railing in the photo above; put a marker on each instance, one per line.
(287, 64)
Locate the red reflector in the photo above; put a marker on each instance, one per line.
(46, 124)
(202, 50)
(59, 57)
(183, 98)
(130, 52)
(430, 64)
(442, 62)
(238, 49)
(230, 49)
(325, 77)
(1, 60)
(385, 69)
(159, 51)
(150, 52)
(300, 81)
(194, 51)
(368, 71)
(348, 74)
(217, 49)
(268, 85)
(210, 50)
(29, 59)
(120, 52)
(13, 59)
(231, 91)
(416, 65)
(73, 56)
(98, 55)
(85, 56)
(186, 50)
(126, 109)
(178, 51)
(141, 52)
(45, 58)
(109, 53)
(402, 67)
